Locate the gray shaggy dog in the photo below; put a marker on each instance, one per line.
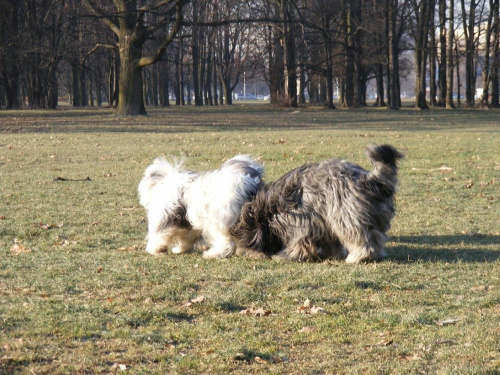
(314, 211)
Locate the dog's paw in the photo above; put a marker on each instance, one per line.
(154, 251)
(177, 250)
(217, 254)
(211, 255)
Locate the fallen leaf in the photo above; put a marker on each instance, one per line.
(257, 312)
(65, 242)
(308, 308)
(198, 299)
(469, 184)
(447, 322)
(194, 300)
(171, 344)
(130, 248)
(260, 360)
(442, 342)
(424, 348)
(442, 168)
(316, 309)
(120, 366)
(49, 226)
(307, 329)
(19, 248)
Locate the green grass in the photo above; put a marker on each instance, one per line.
(81, 296)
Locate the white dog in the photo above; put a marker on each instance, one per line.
(184, 206)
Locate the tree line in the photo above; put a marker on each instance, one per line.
(134, 53)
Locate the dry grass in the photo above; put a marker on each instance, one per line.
(79, 295)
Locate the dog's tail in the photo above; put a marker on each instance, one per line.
(384, 158)
(153, 174)
(246, 165)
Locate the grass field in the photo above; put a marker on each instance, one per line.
(79, 295)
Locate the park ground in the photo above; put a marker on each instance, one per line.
(79, 295)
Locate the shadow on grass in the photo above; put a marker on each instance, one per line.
(180, 317)
(230, 307)
(444, 248)
(249, 355)
(191, 119)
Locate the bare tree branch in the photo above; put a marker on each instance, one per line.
(89, 4)
(148, 60)
(97, 47)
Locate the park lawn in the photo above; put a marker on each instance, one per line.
(78, 294)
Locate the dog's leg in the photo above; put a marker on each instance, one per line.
(332, 250)
(250, 253)
(371, 250)
(158, 243)
(185, 242)
(300, 250)
(222, 247)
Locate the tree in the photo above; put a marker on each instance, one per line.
(449, 56)
(127, 20)
(442, 53)
(495, 65)
(422, 10)
(489, 51)
(10, 50)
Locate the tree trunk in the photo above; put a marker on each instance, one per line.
(486, 77)
(214, 78)
(449, 57)
(196, 61)
(131, 99)
(329, 87)
(287, 12)
(75, 69)
(379, 77)
(348, 57)
(470, 71)
(154, 85)
(393, 69)
(495, 64)
(423, 14)
(442, 54)
(432, 60)
(208, 78)
(459, 85)
(228, 94)
(276, 64)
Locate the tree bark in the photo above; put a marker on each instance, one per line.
(287, 14)
(423, 14)
(449, 57)
(393, 67)
(432, 59)
(130, 94)
(495, 64)
(442, 54)
(470, 47)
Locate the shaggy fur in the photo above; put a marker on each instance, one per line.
(313, 211)
(184, 206)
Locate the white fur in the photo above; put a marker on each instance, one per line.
(184, 206)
